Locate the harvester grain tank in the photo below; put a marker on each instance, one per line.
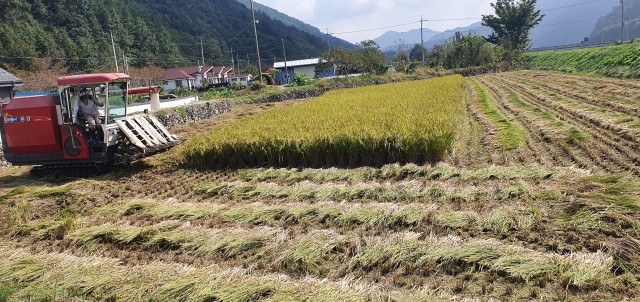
(45, 130)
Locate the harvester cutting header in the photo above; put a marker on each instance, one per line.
(84, 125)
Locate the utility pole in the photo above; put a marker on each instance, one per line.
(125, 62)
(328, 41)
(286, 71)
(113, 46)
(233, 63)
(622, 21)
(255, 32)
(202, 52)
(422, 37)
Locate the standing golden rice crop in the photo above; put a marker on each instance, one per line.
(400, 122)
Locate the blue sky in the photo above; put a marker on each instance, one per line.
(353, 15)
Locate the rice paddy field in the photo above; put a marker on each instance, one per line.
(536, 196)
(362, 126)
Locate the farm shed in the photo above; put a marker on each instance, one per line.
(309, 67)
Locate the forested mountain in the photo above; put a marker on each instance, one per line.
(567, 21)
(288, 20)
(75, 33)
(608, 27)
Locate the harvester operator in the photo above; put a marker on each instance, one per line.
(86, 109)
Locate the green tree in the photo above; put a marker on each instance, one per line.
(437, 56)
(416, 53)
(371, 58)
(343, 60)
(511, 24)
(401, 61)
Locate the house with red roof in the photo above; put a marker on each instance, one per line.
(195, 76)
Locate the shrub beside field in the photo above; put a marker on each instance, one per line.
(400, 122)
(621, 61)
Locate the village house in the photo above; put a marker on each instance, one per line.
(195, 76)
(7, 83)
(310, 67)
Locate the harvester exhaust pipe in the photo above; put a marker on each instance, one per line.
(155, 100)
(154, 95)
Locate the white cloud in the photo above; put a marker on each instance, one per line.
(345, 16)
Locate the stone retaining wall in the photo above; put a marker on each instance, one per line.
(193, 113)
(287, 95)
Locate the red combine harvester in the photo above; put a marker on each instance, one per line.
(48, 131)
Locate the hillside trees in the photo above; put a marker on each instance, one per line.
(511, 25)
(164, 33)
(76, 32)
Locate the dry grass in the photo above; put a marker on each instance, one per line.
(65, 276)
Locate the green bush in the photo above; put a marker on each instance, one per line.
(301, 79)
(257, 86)
(213, 94)
(182, 91)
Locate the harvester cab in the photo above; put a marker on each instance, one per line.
(85, 124)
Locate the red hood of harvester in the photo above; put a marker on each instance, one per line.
(90, 78)
(143, 90)
(31, 125)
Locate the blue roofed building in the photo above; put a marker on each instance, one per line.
(309, 67)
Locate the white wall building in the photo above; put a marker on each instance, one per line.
(242, 79)
(195, 76)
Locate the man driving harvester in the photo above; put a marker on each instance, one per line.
(86, 109)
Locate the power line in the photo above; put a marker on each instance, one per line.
(452, 19)
(241, 32)
(569, 22)
(459, 19)
(568, 6)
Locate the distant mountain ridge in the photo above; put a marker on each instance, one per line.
(389, 39)
(565, 22)
(291, 21)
